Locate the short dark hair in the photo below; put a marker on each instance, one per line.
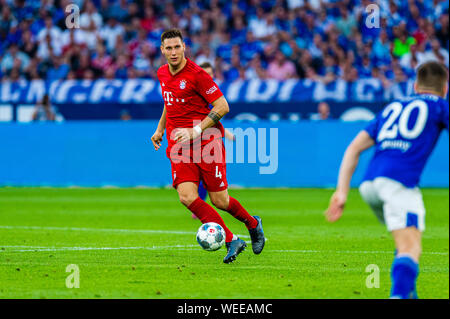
(432, 75)
(170, 34)
(205, 65)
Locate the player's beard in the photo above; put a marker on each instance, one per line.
(175, 65)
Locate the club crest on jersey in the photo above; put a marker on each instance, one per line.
(182, 84)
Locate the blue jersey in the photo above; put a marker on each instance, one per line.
(405, 133)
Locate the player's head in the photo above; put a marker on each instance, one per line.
(208, 68)
(173, 47)
(432, 77)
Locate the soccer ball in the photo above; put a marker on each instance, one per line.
(211, 236)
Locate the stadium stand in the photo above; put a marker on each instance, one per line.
(255, 39)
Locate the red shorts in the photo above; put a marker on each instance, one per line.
(208, 166)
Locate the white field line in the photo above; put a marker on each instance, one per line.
(40, 248)
(353, 252)
(23, 248)
(306, 251)
(155, 231)
(108, 230)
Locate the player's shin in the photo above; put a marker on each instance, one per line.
(238, 211)
(207, 214)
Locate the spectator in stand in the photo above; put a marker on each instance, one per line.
(255, 70)
(82, 64)
(250, 47)
(329, 70)
(365, 69)
(420, 34)
(122, 67)
(125, 115)
(14, 57)
(437, 53)
(59, 69)
(118, 10)
(142, 62)
(90, 15)
(224, 50)
(109, 73)
(89, 75)
(148, 22)
(323, 112)
(44, 111)
(239, 31)
(232, 73)
(381, 49)
(7, 19)
(263, 25)
(346, 23)
(28, 44)
(14, 75)
(320, 37)
(402, 44)
(101, 60)
(442, 27)
(50, 38)
(110, 32)
(205, 55)
(281, 68)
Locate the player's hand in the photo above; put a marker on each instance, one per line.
(336, 206)
(183, 135)
(157, 139)
(230, 136)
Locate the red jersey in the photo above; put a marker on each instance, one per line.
(187, 96)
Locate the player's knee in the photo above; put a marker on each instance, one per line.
(220, 202)
(187, 199)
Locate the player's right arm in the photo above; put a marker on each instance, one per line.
(349, 162)
(159, 133)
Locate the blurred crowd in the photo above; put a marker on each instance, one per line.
(321, 40)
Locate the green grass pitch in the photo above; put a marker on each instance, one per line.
(140, 243)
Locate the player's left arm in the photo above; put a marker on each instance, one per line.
(219, 110)
(349, 162)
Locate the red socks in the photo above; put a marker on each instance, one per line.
(237, 211)
(207, 214)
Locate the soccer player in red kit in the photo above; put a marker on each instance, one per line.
(195, 145)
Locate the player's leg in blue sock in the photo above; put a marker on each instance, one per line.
(404, 274)
(405, 268)
(414, 295)
(202, 193)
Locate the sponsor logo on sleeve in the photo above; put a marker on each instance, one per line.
(212, 90)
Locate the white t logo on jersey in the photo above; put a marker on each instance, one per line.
(168, 97)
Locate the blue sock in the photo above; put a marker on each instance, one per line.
(404, 274)
(202, 193)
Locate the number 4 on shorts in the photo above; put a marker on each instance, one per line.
(218, 174)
